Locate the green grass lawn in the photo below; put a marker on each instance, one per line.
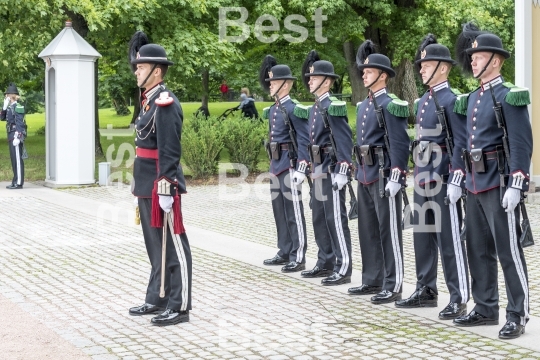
(35, 144)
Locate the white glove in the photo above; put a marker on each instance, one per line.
(392, 188)
(6, 103)
(454, 193)
(511, 199)
(16, 141)
(298, 177)
(165, 202)
(136, 201)
(340, 180)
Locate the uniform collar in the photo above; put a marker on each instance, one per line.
(440, 86)
(324, 96)
(149, 93)
(284, 99)
(496, 81)
(379, 93)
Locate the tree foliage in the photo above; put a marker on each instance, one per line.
(189, 31)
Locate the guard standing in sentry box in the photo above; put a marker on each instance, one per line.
(498, 158)
(13, 114)
(439, 177)
(382, 152)
(330, 139)
(158, 185)
(287, 149)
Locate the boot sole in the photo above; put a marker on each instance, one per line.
(364, 293)
(295, 270)
(158, 311)
(488, 322)
(317, 276)
(417, 306)
(377, 302)
(511, 336)
(337, 283)
(177, 321)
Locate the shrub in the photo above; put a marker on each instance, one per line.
(202, 141)
(244, 138)
(41, 130)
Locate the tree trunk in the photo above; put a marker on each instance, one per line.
(119, 102)
(404, 85)
(359, 92)
(205, 88)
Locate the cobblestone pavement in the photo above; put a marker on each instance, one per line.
(78, 275)
(245, 212)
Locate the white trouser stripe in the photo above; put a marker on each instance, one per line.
(18, 161)
(458, 253)
(395, 244)
(339, 231)
(298, 218)
(182, 260)
(518, 264)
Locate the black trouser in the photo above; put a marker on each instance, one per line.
(437, 228)
(492, 232)
(17, 163)
(178, 262)
(379, 230)
(330, 226)
(289, 217)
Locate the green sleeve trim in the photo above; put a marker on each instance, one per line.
(460, 106)
(266, 112)
(517, 96)
(415, 106)
(398, 107)
(455, 91)
(338, 108)
(301, 111)
(19, 109)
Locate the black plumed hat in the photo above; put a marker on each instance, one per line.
(138, 40)
(431, 50)
(368, 57)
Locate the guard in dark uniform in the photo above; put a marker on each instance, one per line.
(330, 139)
(439, 172)
(382, 154)
(13, 114)
(158, 185)
(493, 228)
(288, 161)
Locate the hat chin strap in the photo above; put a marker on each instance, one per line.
(374, 81)
(148, 77)
(432, 74)
(485, 67)
(318, 87)
(275, 94)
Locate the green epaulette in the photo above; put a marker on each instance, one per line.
(266, 112)
(19, 109)
(455, 91)
(460, 106)
(398, 107)
(301, 111)
(337, 107)
(415, 106)
(517, 96)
